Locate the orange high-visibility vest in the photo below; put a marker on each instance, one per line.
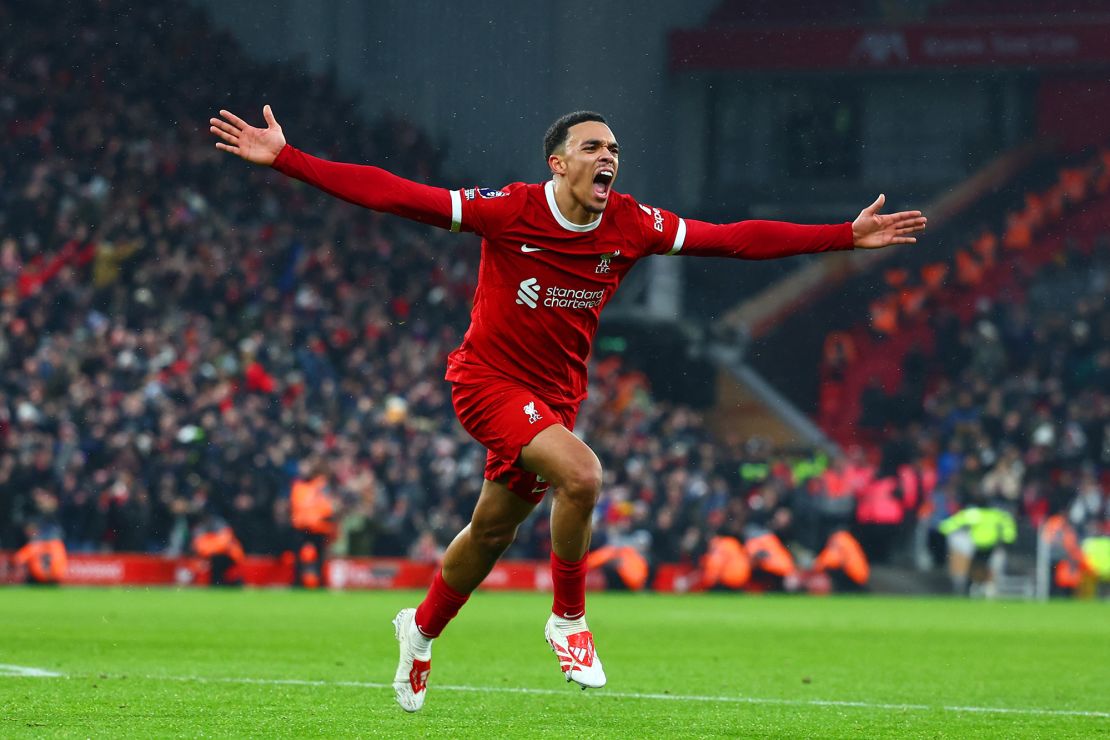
(726, 563)
(1067, 574)
(769, 554)
(631, 565)
(45, 559)
(843, 552)
(220, 542)
(310, 506)
(1059, 533)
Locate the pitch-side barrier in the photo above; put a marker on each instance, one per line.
(342, 573)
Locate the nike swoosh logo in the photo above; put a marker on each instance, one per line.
(526, 248)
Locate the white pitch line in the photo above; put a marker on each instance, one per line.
(23, 671)
(653, 696)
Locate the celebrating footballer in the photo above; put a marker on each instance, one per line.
(553, 255)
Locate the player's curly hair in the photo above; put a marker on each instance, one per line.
(556, 135)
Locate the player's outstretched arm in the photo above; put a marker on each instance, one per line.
(256, 145)
(363, 185)
(760, 240)
(874, 230)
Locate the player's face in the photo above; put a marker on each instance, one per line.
(590, 163)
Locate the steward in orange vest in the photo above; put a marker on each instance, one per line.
(44, 555)
(773, 567)
(623, 565)
(844, 562)
(313, 514)
(215, 540)
(1066, 559)
(725, 565)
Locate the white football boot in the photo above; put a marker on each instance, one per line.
(573, 644)
(410, 683)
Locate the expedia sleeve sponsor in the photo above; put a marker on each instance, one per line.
(556, 297)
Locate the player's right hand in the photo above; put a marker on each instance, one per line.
(257, 145)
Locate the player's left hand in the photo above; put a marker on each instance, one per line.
(872, 230)
(257, 145)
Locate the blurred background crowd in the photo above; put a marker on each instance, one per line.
(184, 336)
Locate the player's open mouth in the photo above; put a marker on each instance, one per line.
(602, 181)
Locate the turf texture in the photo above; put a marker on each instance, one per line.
(197, 663)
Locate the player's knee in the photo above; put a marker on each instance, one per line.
(583, 484)
(493, 537)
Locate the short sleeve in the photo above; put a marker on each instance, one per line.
(485, 211)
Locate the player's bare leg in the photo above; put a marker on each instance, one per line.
(475, 550)
(468, 560)
(575, 473)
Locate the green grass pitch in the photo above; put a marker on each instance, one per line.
(156, 663)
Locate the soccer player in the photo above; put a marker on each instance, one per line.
(553, 254)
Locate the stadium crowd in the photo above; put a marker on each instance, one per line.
(1012, 408)
(180, 336)
(992, 376)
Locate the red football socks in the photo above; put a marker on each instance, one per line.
(439, 607)
(568, 582)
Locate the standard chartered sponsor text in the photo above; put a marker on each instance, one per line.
(568, 298)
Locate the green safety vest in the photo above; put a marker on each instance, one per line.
(987, 526)
(754, 472)
(1097, 550)
(805, 469)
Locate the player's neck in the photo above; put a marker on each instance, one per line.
(569, 206)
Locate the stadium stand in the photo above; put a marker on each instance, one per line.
(993, 265)
(984, 379)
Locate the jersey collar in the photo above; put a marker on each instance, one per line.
(549, 191)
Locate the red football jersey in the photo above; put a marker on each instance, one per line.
(543, 280)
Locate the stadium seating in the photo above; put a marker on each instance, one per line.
(965, 368)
